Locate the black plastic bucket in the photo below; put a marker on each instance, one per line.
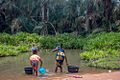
(28, 70)
(73, 69)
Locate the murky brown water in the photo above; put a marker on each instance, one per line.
(12, 68)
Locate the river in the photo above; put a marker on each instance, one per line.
(12, 68)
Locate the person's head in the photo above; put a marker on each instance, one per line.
(59, 45)
(34, 51)
(58, 48)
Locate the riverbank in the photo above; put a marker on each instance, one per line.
(99, 76)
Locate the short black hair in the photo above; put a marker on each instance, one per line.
(34, 51)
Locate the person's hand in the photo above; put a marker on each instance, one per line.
(40, 66)
(67, 64)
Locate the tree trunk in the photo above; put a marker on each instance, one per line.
(108, 11)
(90, 8)
(45, 12)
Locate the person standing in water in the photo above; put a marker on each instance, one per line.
(60, 57)
(35, 59)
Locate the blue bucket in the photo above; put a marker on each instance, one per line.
(42, 70)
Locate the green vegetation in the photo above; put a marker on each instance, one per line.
(69, 41)
(103, 41)
(63, 20)
(11, 45)
(107, 63)
(7, 50)
(60, 16)
(93, 55)
(102, 50)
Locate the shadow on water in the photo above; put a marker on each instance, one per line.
(12, 68)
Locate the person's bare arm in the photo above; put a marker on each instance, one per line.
(66, 60)
(54, 50)
(41, 63)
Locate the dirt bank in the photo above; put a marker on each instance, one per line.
(100, 76)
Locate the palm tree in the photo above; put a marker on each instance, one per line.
(108, 11)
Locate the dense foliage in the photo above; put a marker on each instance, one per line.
(21, 42)
(67, 21)
(111, 62)
(103, 41)
(100, 50)
(64, 16)
(103, 50)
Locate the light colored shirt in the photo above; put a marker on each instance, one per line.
(35, 57)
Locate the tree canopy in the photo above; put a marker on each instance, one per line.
(59, 16)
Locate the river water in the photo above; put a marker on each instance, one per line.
(12, 68)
